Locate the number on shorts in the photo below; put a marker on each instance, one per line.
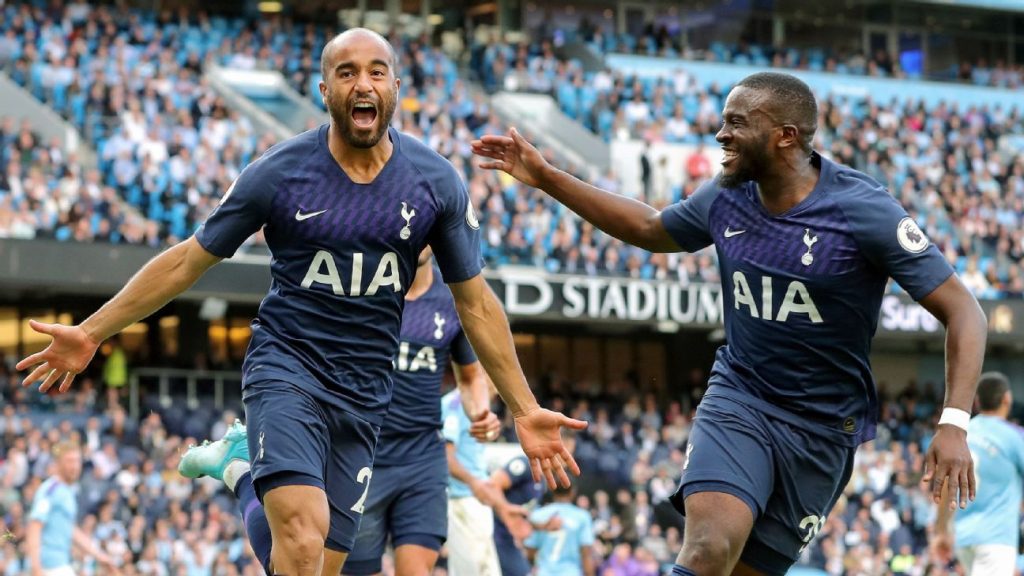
(813, 524)
(363, 478)
(556, 550)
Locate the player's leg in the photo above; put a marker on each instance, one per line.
(810, 475)
(227, 460)
(375, 525)
(334, 561)
(742, 569)
(415, 560)
(289, 440)
(419, 517)
(348, 475)
(285, 462)
(726, 481)
(471, 539)
(717, 526)
(299, 521)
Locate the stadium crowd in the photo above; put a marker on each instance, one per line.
(136, 507)
(168, 146)
(667, 40)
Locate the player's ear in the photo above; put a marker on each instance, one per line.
(323, 91)
(398, 84)
(790, 136)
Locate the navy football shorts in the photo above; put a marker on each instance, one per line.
(788, 476)
(513, 561)
(409, 503)
(295, 439)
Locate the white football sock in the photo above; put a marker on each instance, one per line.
(233, 471)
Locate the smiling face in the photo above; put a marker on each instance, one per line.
(359, 87)
(746, 137)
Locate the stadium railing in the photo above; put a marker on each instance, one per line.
(175, 384)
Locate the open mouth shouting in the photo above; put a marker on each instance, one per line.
(364, 114)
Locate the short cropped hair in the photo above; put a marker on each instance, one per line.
(63, 447)
(791, 100)
(992, 387)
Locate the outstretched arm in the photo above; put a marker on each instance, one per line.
(159, 281)
(486, 325)
(966, 332)
(624, 218)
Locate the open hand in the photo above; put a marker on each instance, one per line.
(539, 434)
(514, 155)
(69, 352)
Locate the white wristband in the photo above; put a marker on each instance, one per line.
(956, 417)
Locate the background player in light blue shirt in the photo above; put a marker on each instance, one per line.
(471, 496)
(469, 463)
(53, 519)
(986, 534)
(565, 551)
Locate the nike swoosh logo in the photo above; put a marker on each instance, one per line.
(300, 216)
(730, 233)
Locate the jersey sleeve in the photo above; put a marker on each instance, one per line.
(686, 221)
(41, 506)
(455, 237)
(462, 351)
(893, 242)
(242, 211)
(450, 427)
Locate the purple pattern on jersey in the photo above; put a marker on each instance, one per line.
(801, 293)
(343, 256)
(782, 244)
(431, 318)
(315, 210)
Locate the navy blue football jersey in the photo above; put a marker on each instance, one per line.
(431, 334)
(802, 292)
(343, 256)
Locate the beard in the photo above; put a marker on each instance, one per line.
(751, 162)
(341, 114)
